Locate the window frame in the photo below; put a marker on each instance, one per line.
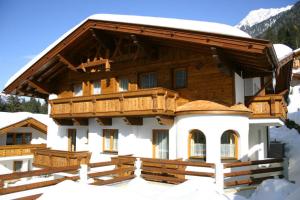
(154, 136)
(147, 73)
(236, 143)
(111, 133)
(14, 134)
(119, 84)
(15, 165)
(93, 88)
(74, 85)
(174, 77)
(191, 133)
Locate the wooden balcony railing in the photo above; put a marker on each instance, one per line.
(268, 106)
(56, 158)
(154, 101)
(19, 150)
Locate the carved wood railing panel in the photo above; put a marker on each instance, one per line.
(154, 101)
(19, 150)
(57, 158)
(269, 106)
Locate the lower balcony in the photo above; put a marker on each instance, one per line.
(57, 158)
(20, 150)
(154, 101)
(268, 106)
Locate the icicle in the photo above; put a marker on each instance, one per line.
(274, 80)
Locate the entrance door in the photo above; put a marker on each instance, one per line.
(71, 139)
(160, 144)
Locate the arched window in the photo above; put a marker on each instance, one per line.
(197, 144)
(229, 145)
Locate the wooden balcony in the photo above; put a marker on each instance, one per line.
(268, 106)
(19, 150)
(154, 101)
(56, 158)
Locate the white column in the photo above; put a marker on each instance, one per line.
(213, 148)
(138, 164)
(83, 173)
(219, 173)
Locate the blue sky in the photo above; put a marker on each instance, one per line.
(29, 26)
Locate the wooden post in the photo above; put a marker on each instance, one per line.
(138, 165)
(83, 171)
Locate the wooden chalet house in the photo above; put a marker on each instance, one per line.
(20, 134)
(157, 87)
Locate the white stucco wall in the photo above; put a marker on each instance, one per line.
(213, 127)
(239, 89)
(258, 142)
(6, 163)
(58, 137)
(252, 86)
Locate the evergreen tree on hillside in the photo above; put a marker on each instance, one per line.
(13, 104)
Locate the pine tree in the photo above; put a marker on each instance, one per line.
(13, 104)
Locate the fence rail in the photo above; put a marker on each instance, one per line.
(252, 172)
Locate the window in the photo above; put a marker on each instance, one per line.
(96, 87)
(180, 80)
(17, 166)
(148, 80)
(78, 90)
(161, 144)
(18, 138)
(9, 139)
(229, 145)
(72, 140)
(123, 84)
(110, 140)
(197, 144)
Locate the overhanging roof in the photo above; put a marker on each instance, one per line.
(29, 122)
(252, 54)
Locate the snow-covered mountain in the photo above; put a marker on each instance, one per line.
(258, 21)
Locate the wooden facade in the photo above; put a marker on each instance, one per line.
(86, 70)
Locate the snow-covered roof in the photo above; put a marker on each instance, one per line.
(182, 24)
(297, 51)
(282, 51)
(9, 118)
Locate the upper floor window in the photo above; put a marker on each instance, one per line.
(78, 90)
(148, 80)
(18, 138)
(180, 78)
(96, 87)
(110, 140)
(123, 84)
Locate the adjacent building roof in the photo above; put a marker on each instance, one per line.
(209, 107)
(10, 121)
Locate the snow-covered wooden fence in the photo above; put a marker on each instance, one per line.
(252, 172)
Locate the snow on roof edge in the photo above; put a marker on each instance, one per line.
(9, 118)
(282, 51)
(182, 24)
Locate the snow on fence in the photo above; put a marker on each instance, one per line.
(252, 172)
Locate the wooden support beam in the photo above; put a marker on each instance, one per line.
(65, 61)
(38, 86)
(133, 121)
(165, 120)
(104, 121)
(80, 121)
